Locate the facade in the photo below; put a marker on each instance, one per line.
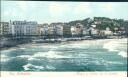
(85, 31)
(66, 30)
(54, 29)
(77, 30)
(94, 31)
(42, 29)
(73, 31)
(51, 30)
(59, 29)
(39, 26)
(19, 28)
(4, 28)
(108, 32)
(105, 33)
(122, 31)
(116, 30)
(30, 28)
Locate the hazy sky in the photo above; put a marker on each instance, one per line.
(47, 12)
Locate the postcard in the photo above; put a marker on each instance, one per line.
(63, 39)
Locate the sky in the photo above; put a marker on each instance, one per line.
(54, 11)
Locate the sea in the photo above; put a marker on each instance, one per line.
(85, 55)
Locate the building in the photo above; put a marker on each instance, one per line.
(73, 31)
(4, 28)
(105, 33)
(30, 28)
(85, 31)
(51, 30)
(39, 26)
(122, 31)
(59, 29)
(66, 30)
(116, 31)
(93, 31)
(77, 30)
(19, 28)
(108, 32)
(42, 29)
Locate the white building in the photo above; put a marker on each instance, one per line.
(23, 28)
(77, 30)
(108, 31)
(94, 31)
(85, 31)
(73, 30)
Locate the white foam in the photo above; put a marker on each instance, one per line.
(9, 50)
(29, 57)
(22, 48)
(33, 58)
(36, 67)
(49, 54)
(117, 45)
(123, 54)
(32, 67)
(24, 56)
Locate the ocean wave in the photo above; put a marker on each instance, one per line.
(32, 67)
(24, 56)
(123, 54)
(23, 48)
(29, 67)
(117, 46)
(29, 57)
(33, 58)
(49, 54)
(9, 50)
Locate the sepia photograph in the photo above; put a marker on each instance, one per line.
(63, 36)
